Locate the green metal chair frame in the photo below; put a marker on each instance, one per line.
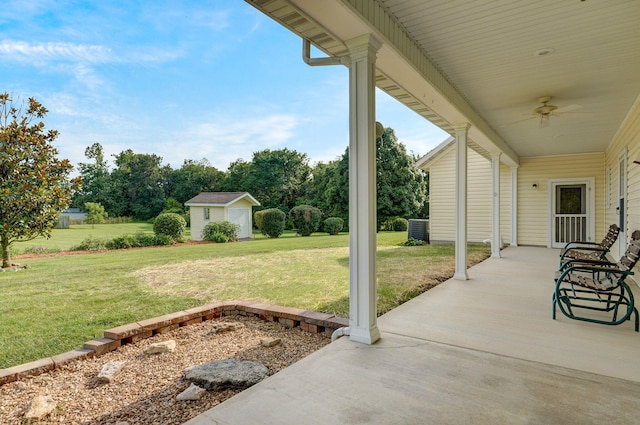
(597, 285)
(579, 250)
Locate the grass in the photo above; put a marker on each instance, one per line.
(62, 301)
(65, 239)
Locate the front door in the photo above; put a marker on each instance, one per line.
(571, 211)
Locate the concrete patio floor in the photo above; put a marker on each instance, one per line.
(482, 351)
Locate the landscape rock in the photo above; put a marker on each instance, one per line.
(161, 347)
(270, 342)
(40, 407)
(225, 327)
(109, 372)
(228, 373)
(194, 392)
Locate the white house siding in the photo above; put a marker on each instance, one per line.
(533, 205)
(480, 198)
(627, 138)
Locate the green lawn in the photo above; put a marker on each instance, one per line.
(64, 239)
(59, 302)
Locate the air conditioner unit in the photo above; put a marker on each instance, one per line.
(419, 229)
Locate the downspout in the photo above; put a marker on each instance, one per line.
(340, 332)
(306, 57)
(328, 61)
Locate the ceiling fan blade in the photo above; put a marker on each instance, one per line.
(567, 109)
(530, 117)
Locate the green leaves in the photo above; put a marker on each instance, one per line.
(34, 183)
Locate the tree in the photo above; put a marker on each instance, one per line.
(276, 178)
(140, 180)
(95, 180)
(402, 189)
(95, 213)
(34, 183)
(192, 178)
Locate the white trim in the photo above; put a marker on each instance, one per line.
(462, 131)
(622, 179)
(496, 243)
(363, 325)
(590, 204)
(514, 206)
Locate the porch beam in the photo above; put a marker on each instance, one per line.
(461, 132)
(496, 239)
(362, 190)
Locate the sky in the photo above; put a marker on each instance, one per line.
(183, 80)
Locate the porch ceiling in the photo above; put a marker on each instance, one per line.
(455, 60)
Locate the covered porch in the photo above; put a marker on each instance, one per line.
(481, 351)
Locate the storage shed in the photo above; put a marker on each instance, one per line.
(208, 207)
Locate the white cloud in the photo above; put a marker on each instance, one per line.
(224, 139)
(57, 51)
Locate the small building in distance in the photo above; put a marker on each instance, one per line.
(234, 207)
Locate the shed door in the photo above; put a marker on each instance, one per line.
(242, 217)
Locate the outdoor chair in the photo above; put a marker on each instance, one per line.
(579, 250)
(595, 290)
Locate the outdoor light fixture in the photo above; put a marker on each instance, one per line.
(379, 129)
(534, 186)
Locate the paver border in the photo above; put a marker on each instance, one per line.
(308, 321)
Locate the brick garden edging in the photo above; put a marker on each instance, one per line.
(308, 321)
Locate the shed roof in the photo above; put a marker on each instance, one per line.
(220, 199)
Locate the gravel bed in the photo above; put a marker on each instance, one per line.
(145, 390)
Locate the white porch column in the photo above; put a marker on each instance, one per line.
(461, 201)
(514, 206)
(362, 190)
(496, 239)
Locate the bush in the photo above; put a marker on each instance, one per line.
(414, 242)
(305, 218)
(164, 240)
(90, 244)
(333, 225)
(258, 217)
(122, 242)
(272, 222)
(170, 224)
(218, 237)
(396, 224)
(230, 230)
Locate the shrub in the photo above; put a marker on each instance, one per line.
(146, 239)
(218, 237)
(123, 242)
(272, 222)
(164, 240)
(258, 217)
(413, 242)
(90, 244)
(333, 225)
(230, 230)
(170, 224)
(37, 250)
(397, 224)
(305, 218)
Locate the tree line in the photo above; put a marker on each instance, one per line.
(140, 186)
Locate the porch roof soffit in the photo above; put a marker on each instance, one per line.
(434, 155)
(403, 69)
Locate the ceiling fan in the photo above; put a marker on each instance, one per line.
(544, 112)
